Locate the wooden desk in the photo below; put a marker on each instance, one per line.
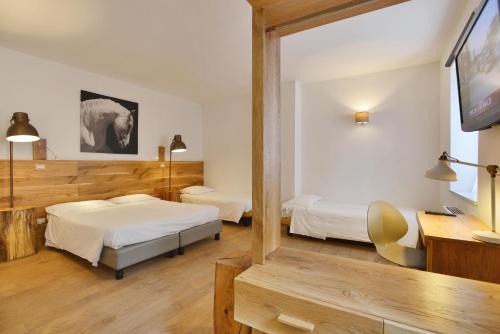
(451, 250)
(330, 294)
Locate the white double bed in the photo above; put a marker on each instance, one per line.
(318, 218)
(85, 228)
(231, 207)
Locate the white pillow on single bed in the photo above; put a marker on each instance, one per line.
(305, 201)
(132, 198)
(65, 208)
(196, 190)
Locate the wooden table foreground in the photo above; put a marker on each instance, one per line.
(298, 291)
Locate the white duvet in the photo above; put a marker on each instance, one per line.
(326, 219)
(85, 231)
(231, 208)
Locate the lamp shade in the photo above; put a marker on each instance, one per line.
(177, 144)
(441, 172)
(362, 117)
(20, 129)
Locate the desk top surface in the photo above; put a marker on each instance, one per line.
(453, 228)
(435, 302)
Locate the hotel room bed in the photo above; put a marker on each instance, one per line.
(231, 207)
(326, 219)
(129, 229)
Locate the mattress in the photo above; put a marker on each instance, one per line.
(231, 208)
(326, 219)
(85, 232)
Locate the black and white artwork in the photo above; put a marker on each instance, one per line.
(108, 124)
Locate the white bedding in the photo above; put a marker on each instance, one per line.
(326, 219)
(85, 232)
(231, 207)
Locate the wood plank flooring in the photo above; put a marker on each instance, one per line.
(55, 292)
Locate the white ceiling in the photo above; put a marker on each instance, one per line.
(201, 49)
(408, 34)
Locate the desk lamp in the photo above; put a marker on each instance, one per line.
(443, 172)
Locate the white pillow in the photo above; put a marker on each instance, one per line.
(305, 201)
(132, 198)
(66, 208)
(196, 190)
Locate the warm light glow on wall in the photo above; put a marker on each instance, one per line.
(368, 104)
(362, 117)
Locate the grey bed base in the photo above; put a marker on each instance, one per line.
(119, 259)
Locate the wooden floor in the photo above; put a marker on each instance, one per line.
(55, 292)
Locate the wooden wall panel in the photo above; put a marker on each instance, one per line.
(40, 149)
(42, 183)
(161, 153)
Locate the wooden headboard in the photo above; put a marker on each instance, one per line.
(41, 183)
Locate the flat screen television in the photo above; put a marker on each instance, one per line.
(478, 69)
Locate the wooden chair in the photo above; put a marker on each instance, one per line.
(386, 226)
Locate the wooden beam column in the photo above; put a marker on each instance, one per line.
(270, 20)
(266, 137)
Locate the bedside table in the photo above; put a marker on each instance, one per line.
(17, 233)
(173, 195)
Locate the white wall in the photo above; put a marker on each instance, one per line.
(50, 93)
(341, 161)
(291, 140)
(385, 159)
(228, 144)
(489, 152)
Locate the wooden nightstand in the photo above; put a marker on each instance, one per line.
(169, 195)
(17, 233)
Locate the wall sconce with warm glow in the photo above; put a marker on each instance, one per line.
(362, 117)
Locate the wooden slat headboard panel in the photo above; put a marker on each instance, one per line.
(78, 180)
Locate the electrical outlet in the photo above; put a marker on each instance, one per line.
(40, 166)
(41, 221)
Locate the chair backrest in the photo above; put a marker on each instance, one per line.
(385, 223)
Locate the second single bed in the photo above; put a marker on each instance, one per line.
(231, 207)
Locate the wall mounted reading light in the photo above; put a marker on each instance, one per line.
(362, 117)
(176, 146)
(19, 131)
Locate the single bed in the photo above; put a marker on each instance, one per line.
(129, 229)
(231, 207)
(323, 219)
